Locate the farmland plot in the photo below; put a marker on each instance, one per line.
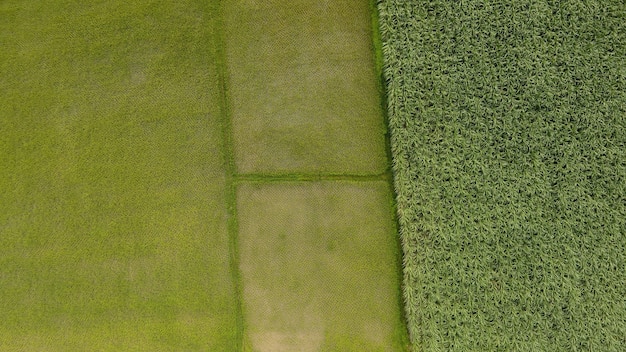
(318, 268)
(112, 212)
(194, 177)
(508, 121)
(303, 88)
(317, 256)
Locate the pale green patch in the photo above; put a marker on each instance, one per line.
(303, 87)
(318, 267)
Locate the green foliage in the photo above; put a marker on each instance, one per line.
(508, 124)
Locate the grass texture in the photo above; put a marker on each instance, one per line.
(303, 87)
(112, 201)
(508, 123)
(130, 202)
(317, 243)
(318, 267)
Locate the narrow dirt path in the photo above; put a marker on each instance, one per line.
(314, 244)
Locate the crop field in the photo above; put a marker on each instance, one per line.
(112, 201)
(301, 78)
(300, 250)
(194, 175)
(508, 126)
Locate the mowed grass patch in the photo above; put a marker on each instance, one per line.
(303, 87)
(112, 212)
(508, 123)
(318, 266)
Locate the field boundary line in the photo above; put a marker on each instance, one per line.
(303, 177)
(230, 167)
(379, 67)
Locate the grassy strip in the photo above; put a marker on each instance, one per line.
(509, 142)
(379, 67)
(291, 177)
(305, 108)
(231, 172)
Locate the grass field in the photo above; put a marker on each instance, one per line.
(316, 237)
(508, 123)
(198, 176)
(303, 93)
(322, 250)
(112, 200)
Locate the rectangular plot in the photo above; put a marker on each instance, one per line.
(112, 210)
(318, 267)
(303, 87)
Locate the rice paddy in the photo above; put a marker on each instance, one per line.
(303, 88)
(203, 176)
(112, 210)
(322, 250)
(508, 123)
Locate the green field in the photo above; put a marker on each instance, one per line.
(303, 90)
(198, 176)
(112, 200)
(322, 250)
(508, 123)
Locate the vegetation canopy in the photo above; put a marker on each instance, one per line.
(508, 123)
